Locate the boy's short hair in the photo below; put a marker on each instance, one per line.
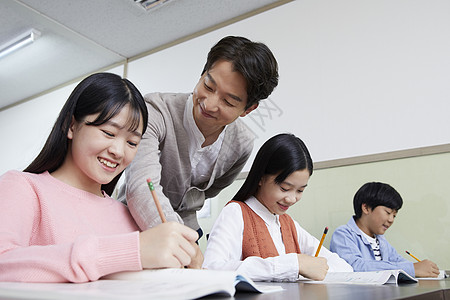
(374, 194)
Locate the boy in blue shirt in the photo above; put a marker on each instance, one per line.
(361, 241)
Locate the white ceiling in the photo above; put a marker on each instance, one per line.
(83, 36)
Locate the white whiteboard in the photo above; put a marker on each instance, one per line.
(356, 77)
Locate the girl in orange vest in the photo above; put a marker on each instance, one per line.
(255, 236)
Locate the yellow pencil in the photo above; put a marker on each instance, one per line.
(321, 241)
(412, 256)
(155, 198)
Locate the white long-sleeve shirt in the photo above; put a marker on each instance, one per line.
(224, 249)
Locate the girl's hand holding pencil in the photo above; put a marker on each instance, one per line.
(168, 245)
(315, 268)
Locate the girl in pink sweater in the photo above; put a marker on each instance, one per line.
(57, 220)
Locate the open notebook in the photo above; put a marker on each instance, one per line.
(375, 277)
(194, 283)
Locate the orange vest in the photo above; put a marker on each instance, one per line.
(257, 241)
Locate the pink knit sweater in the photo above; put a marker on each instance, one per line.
(53, 232)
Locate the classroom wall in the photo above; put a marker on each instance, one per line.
(422, 225)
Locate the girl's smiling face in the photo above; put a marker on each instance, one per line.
(97, 154)
(278, 197)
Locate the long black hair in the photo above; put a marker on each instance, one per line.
(101, 93)
(281, 155)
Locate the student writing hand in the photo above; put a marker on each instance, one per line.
(426, 268)
(168, 245)
(197, 260)
(314, 268)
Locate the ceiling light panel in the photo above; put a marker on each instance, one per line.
(150, 4)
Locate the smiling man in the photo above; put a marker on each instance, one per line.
(195, 145)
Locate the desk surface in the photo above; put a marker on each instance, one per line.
(424, 289)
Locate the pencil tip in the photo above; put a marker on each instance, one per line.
(326, 230)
